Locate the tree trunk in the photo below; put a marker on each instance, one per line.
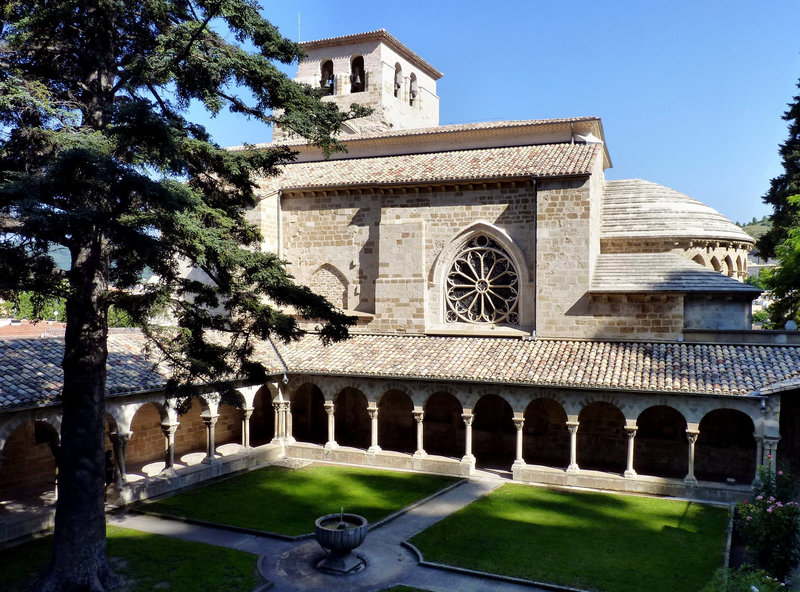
(79, 552)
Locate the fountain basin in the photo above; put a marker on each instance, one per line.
(339, 534)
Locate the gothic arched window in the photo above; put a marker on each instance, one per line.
(482, 284)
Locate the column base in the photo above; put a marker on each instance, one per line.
(420, 454)
(276, 441)
(168, 472)
(373, 450)
(572, 469)
(467, 465)
(331, 445)
(209, 460)
(690, 480)
(518, 464)
(629, 474)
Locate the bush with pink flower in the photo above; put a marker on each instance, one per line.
(770, 525)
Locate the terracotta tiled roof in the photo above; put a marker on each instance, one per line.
(652, 367)
(660, 272)
(378, 35)
(434, 130)
(545, 160)
(31, 375)
(30, 371)
(633, 208)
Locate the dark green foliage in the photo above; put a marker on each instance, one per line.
(97, 158)
(785, 214)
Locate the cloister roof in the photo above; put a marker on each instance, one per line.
(510, 162)
(30, 371)
(636, 366)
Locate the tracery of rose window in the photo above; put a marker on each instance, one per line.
(482, 284)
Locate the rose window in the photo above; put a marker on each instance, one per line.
(482, 284)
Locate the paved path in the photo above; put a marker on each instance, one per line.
(290, 565)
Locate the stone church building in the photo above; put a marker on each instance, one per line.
(516, 312)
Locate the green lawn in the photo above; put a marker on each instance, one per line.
(147, 561)
(287, 501)
(611, 543)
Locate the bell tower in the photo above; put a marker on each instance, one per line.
(375, 70)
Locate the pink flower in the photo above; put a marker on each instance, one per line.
(780, 472)
(749, 517)
(769, 510)
(769, 456)
(760, 497)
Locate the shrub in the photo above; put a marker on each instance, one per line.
(744, 579)
(769, 525)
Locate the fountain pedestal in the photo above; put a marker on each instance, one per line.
(339, 534)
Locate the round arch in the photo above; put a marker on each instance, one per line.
(662, 449)
(602, 443)
(396, 425)
(262, 422)
(352, 418)
(309, 419)
(29, 462)
(493, 433)
(726, 449)
(147, 443)
(443, 427)
(545, 437)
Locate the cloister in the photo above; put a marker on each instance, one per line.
(624, 441)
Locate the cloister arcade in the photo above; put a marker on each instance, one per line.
(435, 426)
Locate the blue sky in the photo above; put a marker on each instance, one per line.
(690, 92)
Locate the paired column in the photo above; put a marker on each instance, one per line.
(419, 415)
(211, 422)
(572, 428)
(329, 409)
(630, 432)
(372, 409)
(691, 435)
(119, 441)
(169, 430)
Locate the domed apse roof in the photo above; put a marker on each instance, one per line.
(634, 208)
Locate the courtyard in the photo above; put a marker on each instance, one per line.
(458, 530)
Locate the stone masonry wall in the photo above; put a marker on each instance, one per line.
(26, 466)
(387, 245)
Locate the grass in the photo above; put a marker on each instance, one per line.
(611, 543)
(287, 501)
(146, 562)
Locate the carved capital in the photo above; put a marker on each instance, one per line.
(692, 435)
(418, 416)
(467, 417)
(630, 432)
(169, 429)
(572, 427)
(519, 423)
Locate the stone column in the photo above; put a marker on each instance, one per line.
(169, 430)
(759, 453)
(210, 421)
(279, 429)
(572, 428)
(289, 436)
(630, 432)
(247, 413)
(519, 462)
(373, 429)
(691, 435)
(120, 444)
(330, 409)
(419, 415)
(468, 457)
(771, 452)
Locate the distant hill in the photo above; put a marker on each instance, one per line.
(756, 228)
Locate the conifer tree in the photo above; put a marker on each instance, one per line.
(785, 215)
(97, 156)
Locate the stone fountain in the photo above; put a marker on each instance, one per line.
(339, 534)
